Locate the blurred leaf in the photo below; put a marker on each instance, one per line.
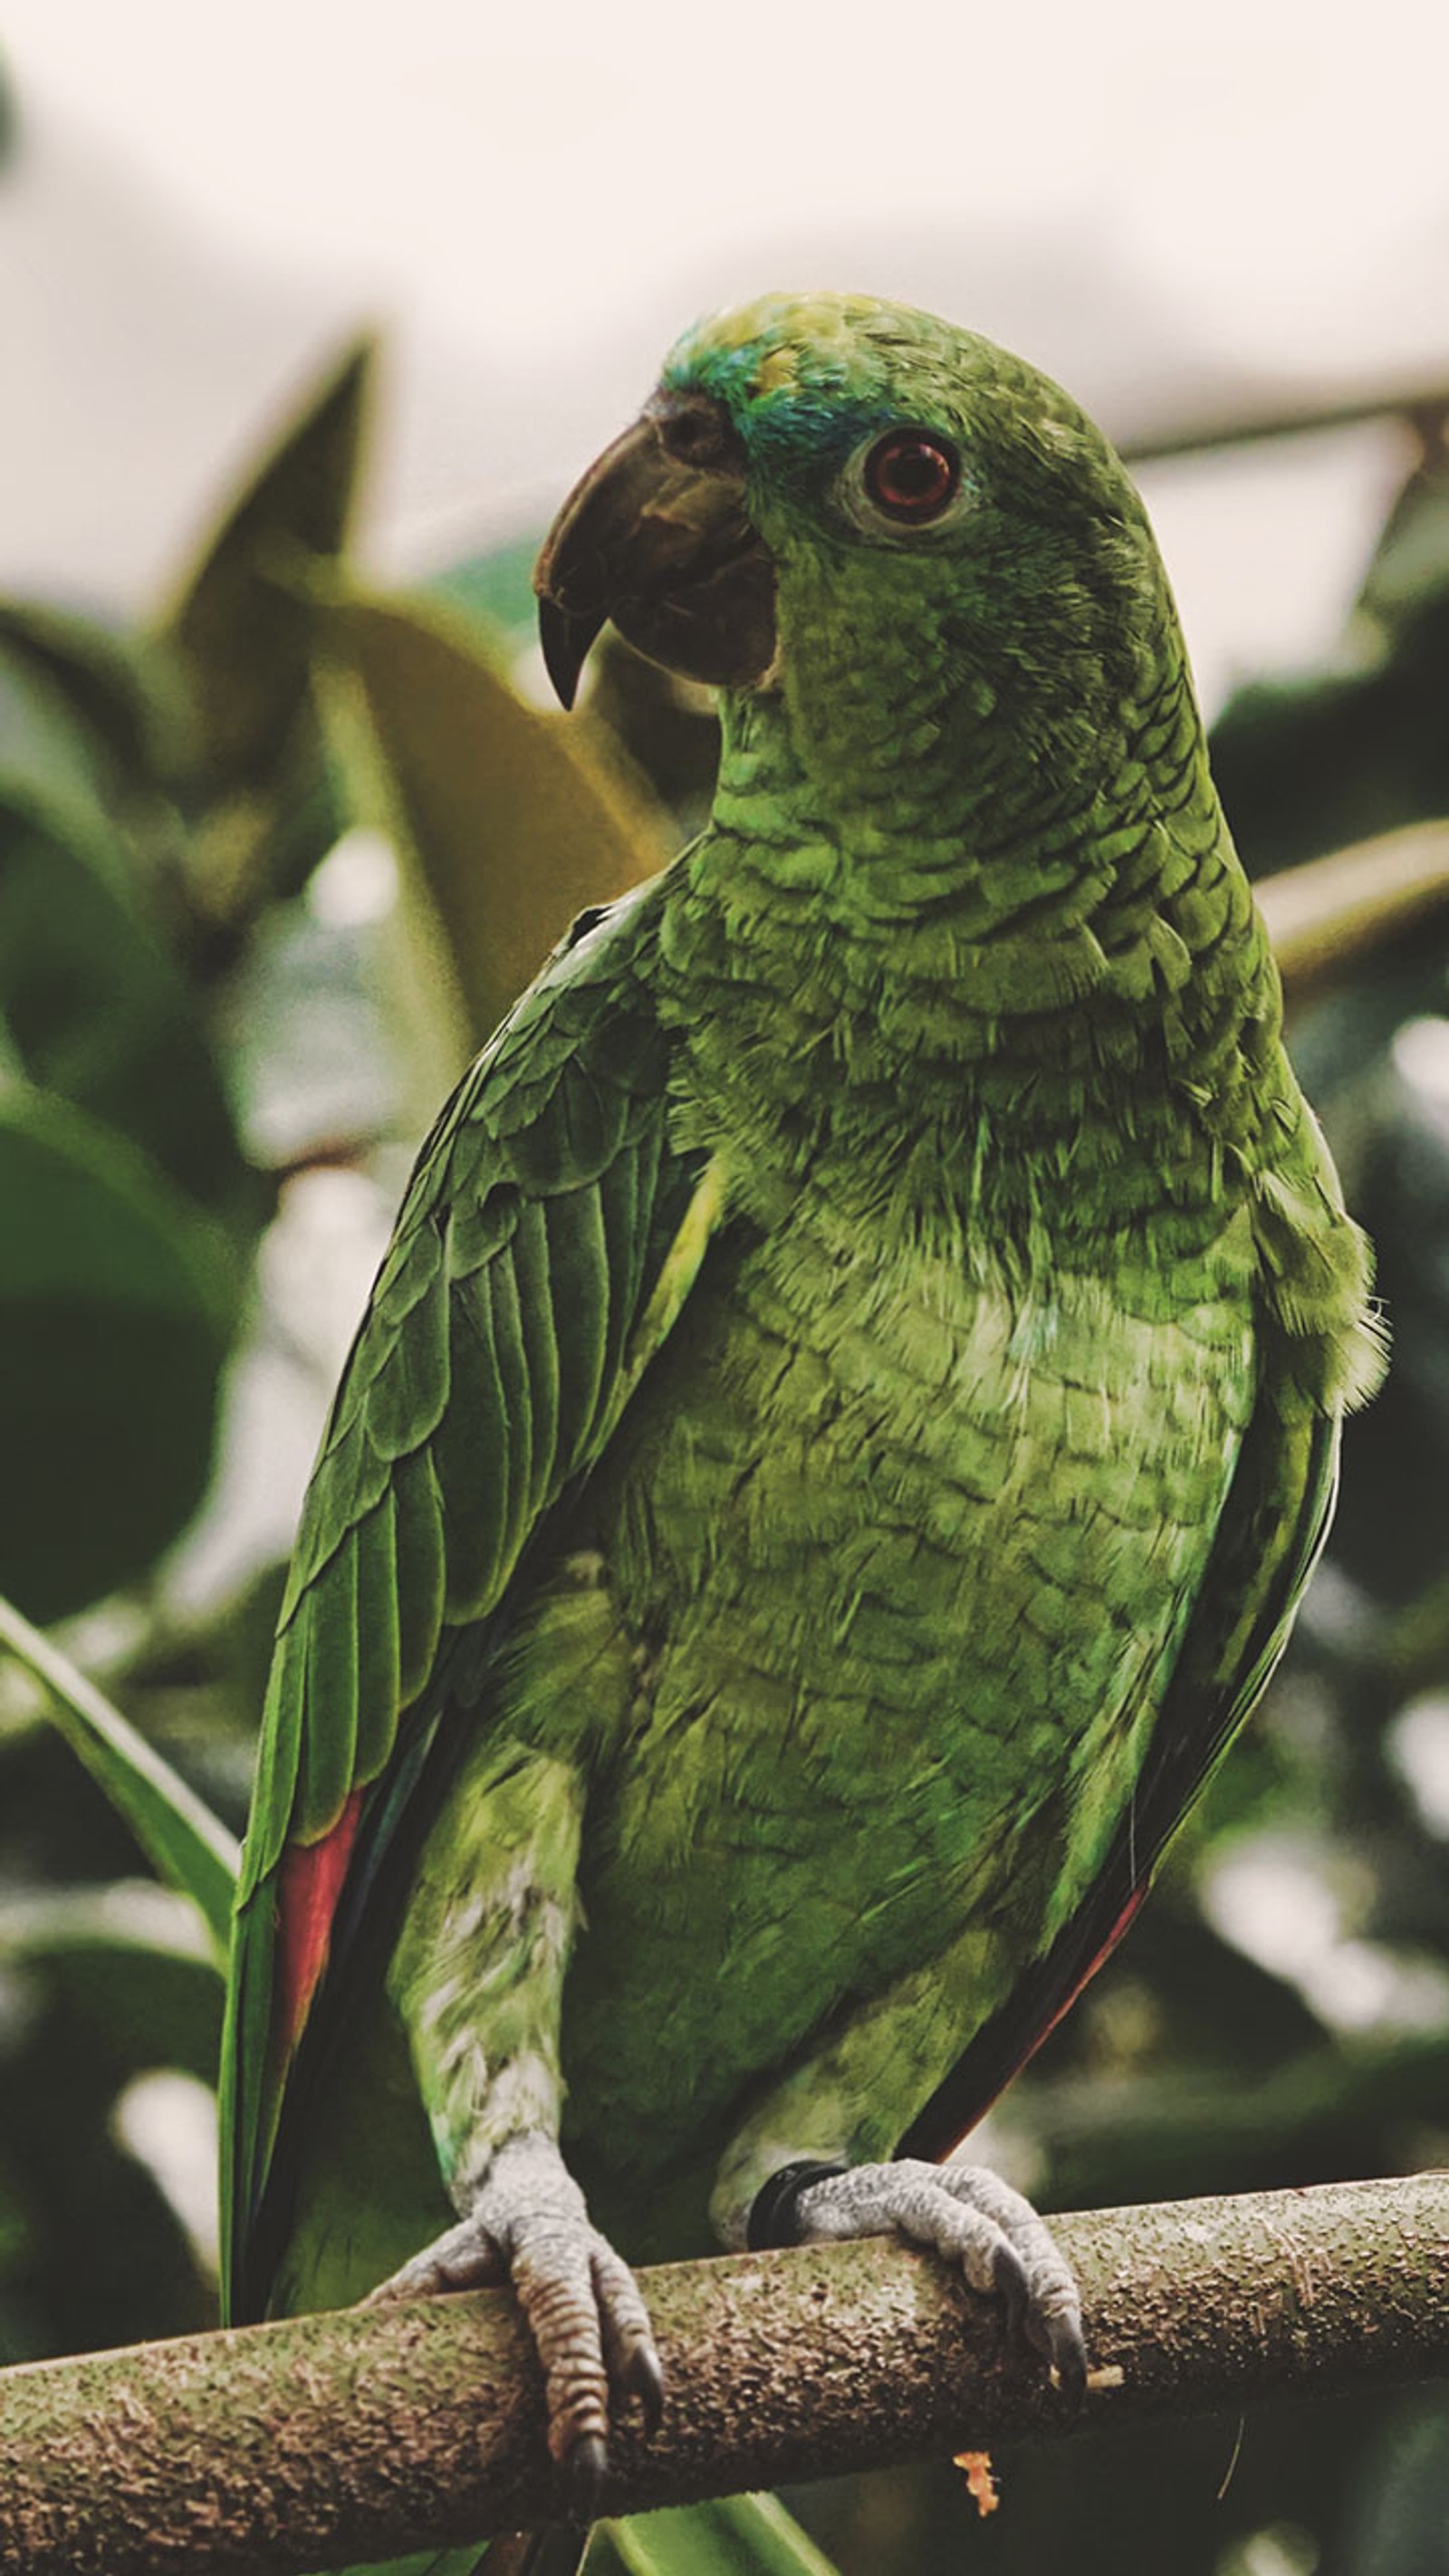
(1398, 2520)
(1303, 766)
(114, 1313)
(119, 686)
(131, 1914)
(667, 727)
(106, 2259)
(1355, 2106)
(100, 1012)
(244, 620)
(10, 128)
(260, 793)
(49, 773)
(250, 846)
(190, 1847)
(94, 1001)
(1411, 559)
(1341, 755)
(513, 825)
(750, 2535)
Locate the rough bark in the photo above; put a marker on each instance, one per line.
(324, 2439)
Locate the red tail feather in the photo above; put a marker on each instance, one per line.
(310, 1880)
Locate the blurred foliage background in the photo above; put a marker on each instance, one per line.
(270, 866)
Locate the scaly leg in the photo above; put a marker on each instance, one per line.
(477, 1977)
(528, 2225)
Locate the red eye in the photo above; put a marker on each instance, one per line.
(911, 476)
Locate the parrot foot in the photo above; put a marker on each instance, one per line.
(970, 2217)
(528, 2225)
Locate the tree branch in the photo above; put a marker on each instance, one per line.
(1326, 915)
(305, 2444)
(1421, 407)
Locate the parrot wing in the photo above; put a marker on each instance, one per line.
(1272, 1529)
(548, 1237)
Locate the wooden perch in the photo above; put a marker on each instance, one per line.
(357, 2435)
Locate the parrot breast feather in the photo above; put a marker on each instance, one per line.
(1274, 1523)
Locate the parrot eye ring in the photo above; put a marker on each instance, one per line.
(911, 476)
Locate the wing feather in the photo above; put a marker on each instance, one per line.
(579, 1260)
(329, 1750)
(421, 1575)
(379, 1682)
(484, 1378)
(538, 1327)
(474, 1460)
(511, 1362)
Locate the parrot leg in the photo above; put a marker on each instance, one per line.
(528, 2225)
(970, 2217)
(808, 2163)
(477, 1978)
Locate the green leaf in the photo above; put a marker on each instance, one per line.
(1360, 747)
(188, 1845)
(99, 1011)
(243, 622)
(1410, 566)
(92, 997)
(130, 1915)
(116, 1301)
(513, 825)
(748, 2535)
(667, 728)
(50, 775)
(9, 119)
(120, 687)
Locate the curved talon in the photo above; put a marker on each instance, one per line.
(1011, 2284)
(585, 2469)
(643, 2380)
(1067, 2352)
(590, 2327)
(628, 2341)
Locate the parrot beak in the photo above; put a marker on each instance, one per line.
(655, 537)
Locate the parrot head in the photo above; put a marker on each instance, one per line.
(825, 484)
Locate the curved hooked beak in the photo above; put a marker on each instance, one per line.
(655, 537)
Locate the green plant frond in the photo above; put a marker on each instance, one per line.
(190, 1847)
(746, 2535)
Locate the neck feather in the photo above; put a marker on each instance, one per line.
(1087, 992)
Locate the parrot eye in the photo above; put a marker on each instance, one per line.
(912, 475)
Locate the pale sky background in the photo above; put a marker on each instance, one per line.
(1178, 211)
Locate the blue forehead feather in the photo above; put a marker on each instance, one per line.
(816, 418)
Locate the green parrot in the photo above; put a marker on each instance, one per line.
(843, 1426)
